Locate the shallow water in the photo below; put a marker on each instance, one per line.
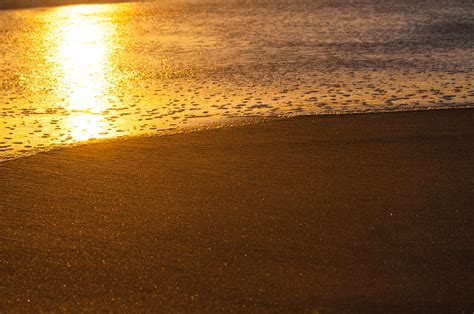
(76, 73)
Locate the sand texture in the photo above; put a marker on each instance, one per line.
(367, 213)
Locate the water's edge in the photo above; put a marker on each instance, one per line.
(237, 122)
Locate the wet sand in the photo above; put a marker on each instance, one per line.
(366, 213)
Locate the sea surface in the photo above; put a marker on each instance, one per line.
(74, 74)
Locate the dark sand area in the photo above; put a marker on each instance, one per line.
(365, 213)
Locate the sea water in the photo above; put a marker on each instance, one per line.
(73, 74)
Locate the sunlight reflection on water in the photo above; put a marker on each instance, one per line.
(84, 44)
(70, 74)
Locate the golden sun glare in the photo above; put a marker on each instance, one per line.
(82, 56)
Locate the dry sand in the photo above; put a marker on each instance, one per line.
(363, 213)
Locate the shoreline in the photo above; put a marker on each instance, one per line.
(366, 213)
(228, 123)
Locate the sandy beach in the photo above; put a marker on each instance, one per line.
(358, 213)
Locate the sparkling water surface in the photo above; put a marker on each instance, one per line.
(76, 73)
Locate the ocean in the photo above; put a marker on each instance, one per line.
(75, 74)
